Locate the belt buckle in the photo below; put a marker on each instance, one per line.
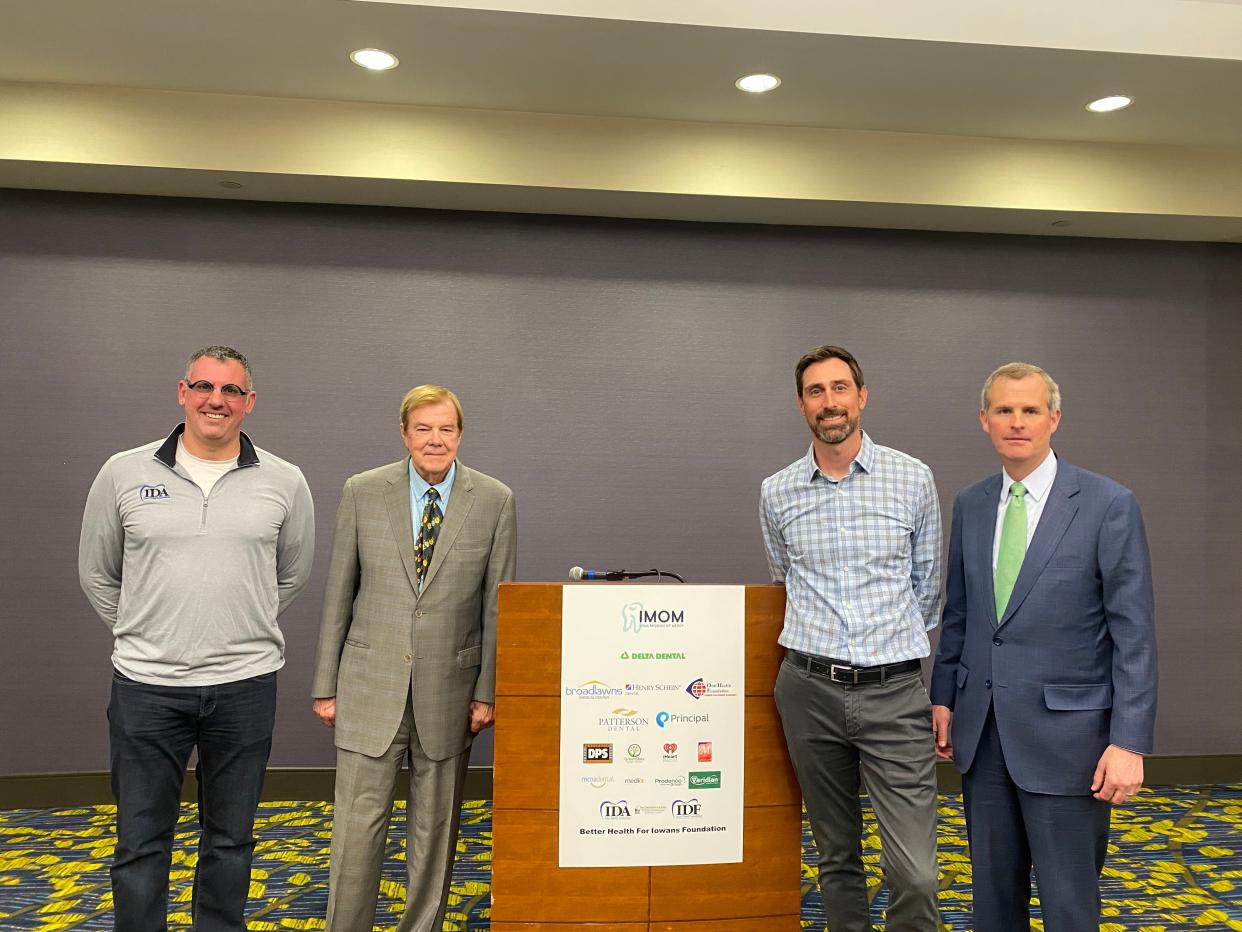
(853, 671)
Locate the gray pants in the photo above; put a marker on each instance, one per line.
(881, 733)
(365, 787)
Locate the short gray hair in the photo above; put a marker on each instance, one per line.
(221, 354)
(1022, 370)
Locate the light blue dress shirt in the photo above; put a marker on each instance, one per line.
(859, 556)
(418, 494)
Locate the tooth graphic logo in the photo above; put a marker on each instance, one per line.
(631, 613)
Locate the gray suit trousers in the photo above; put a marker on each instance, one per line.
(365, 787)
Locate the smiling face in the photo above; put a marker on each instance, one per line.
(831, 403)
(1020, 423)
(213, 420)
(431, 435)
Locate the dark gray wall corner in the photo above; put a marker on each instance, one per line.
(631, 380)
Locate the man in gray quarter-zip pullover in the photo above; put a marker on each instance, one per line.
(191, 547)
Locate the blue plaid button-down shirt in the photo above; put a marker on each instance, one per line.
(859, 556)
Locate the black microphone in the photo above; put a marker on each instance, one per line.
(579, 573)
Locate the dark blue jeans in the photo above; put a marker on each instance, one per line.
(152, 731)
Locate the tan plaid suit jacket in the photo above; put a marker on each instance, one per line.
(380, 640)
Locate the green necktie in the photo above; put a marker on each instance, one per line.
(1012, 547)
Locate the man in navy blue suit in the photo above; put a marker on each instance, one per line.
(1044, 687)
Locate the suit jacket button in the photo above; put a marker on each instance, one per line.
(418, 613)
(987, 684)
(997, 641)
(407, 658)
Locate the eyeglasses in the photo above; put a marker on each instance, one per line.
(229, 391)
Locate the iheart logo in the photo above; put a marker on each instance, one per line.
(670, 748)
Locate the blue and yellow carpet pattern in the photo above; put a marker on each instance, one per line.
(1175, 865)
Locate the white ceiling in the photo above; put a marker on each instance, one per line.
(991, 92)
(481, 59)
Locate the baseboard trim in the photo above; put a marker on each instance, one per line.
(61, 790)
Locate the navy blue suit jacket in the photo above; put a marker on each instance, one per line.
(1071, 667)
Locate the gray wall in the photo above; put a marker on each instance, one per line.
(632, 381)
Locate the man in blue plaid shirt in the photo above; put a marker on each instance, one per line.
(852, 530)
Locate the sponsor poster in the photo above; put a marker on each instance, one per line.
(652, 725)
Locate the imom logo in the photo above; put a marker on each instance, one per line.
(635, 617)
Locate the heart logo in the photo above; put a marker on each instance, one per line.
(670, 748)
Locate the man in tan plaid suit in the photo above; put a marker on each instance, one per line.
(407, 656)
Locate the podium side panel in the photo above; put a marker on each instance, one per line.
(526, 773)
(770, 779)
(528, 640)
(765, 616)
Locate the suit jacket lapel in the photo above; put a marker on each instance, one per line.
(397, 498)
(981, 534)
(461, 500)
(1058, 512)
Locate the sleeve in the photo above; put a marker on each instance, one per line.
(295, 546)
(1129, 612)
(344, 572)
(773, 539)
(101, 547)
(925, 553)
(953, 621)
(501, 567)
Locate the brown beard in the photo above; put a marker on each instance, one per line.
(835, 435)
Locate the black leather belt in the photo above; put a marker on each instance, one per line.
(841, 672)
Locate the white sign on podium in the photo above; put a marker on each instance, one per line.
(652, 725)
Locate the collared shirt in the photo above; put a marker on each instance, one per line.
(1038, 484)
(859, 556)
(418, 494)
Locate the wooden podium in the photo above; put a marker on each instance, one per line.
(529, 890)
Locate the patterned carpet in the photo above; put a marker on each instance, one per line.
(1175, 865)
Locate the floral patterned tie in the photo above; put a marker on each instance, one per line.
(428, 531)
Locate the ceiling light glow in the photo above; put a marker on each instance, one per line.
(757, 83)
(1110, 103)
(374, 59)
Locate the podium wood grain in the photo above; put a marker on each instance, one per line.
(530, 891)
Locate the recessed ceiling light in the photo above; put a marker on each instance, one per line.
(757, 83)
(1109, 104)
(374, 59)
